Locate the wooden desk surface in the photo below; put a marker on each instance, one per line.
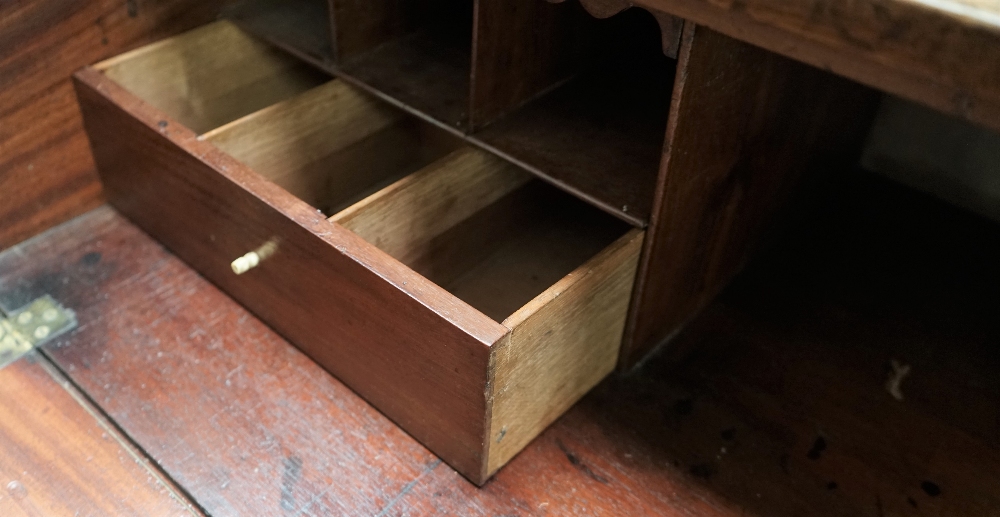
(782, 410)
(60, 456)
(942, 53)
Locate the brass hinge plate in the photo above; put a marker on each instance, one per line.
(34, 324)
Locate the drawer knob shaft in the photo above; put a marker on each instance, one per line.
(254, 258)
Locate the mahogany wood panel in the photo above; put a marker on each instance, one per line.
(59, 457)
(600, 135)
(325, 288)
(247, 424)
(46, 172)
(793, 352)
(746, 127)
(521, 49)
(943, 54)
(210, 209)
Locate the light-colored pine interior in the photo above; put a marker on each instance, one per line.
(211, 75)
(562, 343)
(333, 145)
(482, 229)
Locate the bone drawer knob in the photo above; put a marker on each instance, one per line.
(254, 258)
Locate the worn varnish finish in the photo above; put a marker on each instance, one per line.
(59, 457)
(795, 351)
(236, 415)
(332, 293)
(209, 209)
(746, 127)
(943, 54)
(243, 421)
(46, 173)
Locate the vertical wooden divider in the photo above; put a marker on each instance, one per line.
(520, 49)
(746, 127)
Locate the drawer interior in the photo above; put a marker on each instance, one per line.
(333, 145)
(508, 294)
(210, 76)
(483, 229)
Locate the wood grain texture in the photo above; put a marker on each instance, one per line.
(600, 135)
(944, 54)
(795, 350)
(46, 172)
(522, 48)
(59, 457)
(318, 145)
(565, 339)
(539, 236)
(747, 129)
(209, 209)
(406, 217)
(205, 89)
(248, 425)
(562, 343)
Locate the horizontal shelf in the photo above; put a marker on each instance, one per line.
(600, 137)
(301, 27)
(422, 71)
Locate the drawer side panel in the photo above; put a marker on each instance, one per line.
(562, 344)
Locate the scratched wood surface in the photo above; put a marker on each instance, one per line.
(781, 411)
(942, 53)
(59, 457)
(46, 173)
(328, 290)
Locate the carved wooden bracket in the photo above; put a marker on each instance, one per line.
(670, 26)
(601, 8)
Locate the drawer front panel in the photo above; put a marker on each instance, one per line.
(402, 342)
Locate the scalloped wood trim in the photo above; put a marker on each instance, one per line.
(670, 26)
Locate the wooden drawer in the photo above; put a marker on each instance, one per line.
(468, 301)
